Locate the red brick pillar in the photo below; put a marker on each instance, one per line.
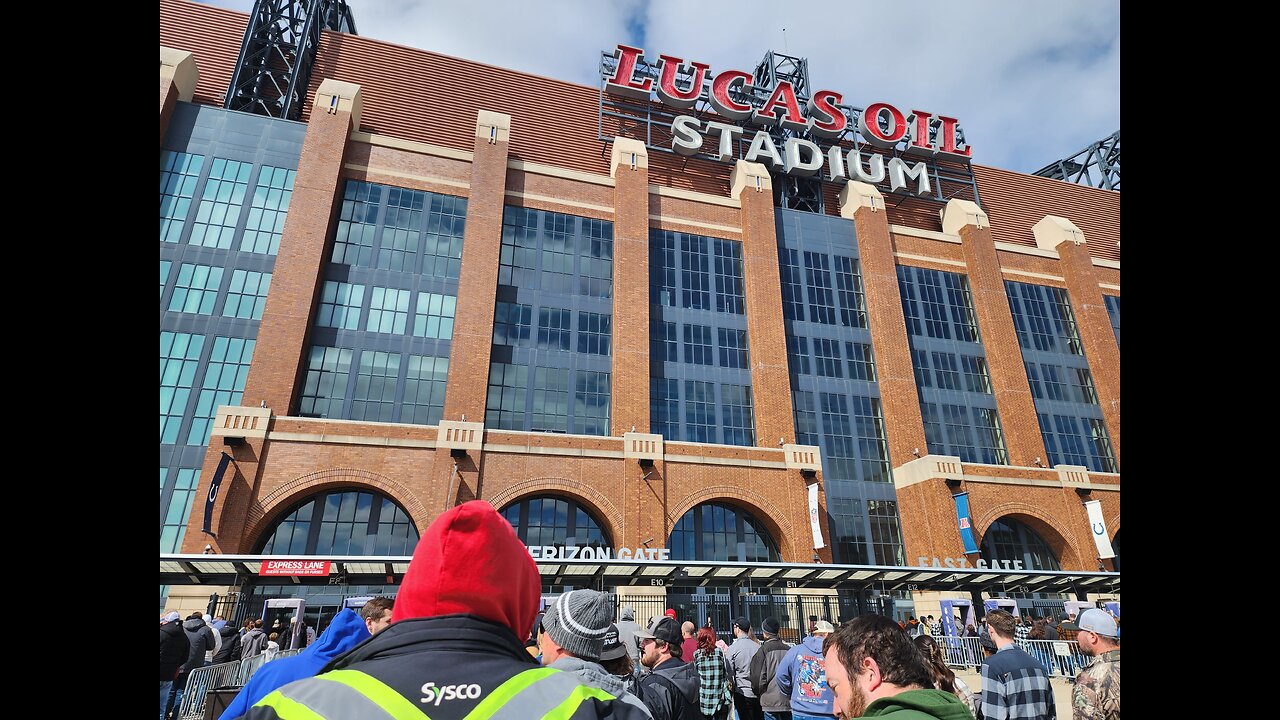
(995, 326)
(279, 355)
(478, 278)
(864, 204)
(751, 185)
(630, 382)
(469, 354)
(178, 78)
(1092, 319)
(762, 283)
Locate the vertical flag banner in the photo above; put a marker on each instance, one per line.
(813, 518)
(966, 525)
(213, 492)
(1099, 528)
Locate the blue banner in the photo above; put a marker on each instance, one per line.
(966, 526)
(213, 492)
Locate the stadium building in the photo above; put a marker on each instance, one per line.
(697, 332)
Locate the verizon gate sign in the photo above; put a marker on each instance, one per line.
(730, 93)
(299, 568)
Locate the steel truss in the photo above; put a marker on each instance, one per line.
(1101, 159)
(278, 53)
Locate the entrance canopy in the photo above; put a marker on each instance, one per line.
(367, 570)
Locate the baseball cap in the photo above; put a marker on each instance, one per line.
(671, 613)
(1097, 621)
(823, 626)
(663, 628)
(613, 647)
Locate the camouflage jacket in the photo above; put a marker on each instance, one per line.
(1097, 692)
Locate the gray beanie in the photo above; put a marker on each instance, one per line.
(578, 622)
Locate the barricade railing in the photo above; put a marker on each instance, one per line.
(1058, 657)
(203, 679)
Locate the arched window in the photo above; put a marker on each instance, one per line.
(713, 531)
(552, 521)
(343, 522)
(1008, 539)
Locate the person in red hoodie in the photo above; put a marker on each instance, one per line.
(456, 647)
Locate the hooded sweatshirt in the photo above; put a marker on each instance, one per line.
(464, 608)
(627, 628)
(919, 705)
(345, 632)
(594, 675)
(230, 651)
(802, 674)
(174, 647)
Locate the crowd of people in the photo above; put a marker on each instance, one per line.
(467, 641)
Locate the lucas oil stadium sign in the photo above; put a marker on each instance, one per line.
(917, 135)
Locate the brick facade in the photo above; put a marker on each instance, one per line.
(638, 507)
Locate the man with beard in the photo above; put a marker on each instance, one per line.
(670, 690)
(876, 671)
(1097, 693)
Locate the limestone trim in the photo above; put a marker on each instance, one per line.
(695, 196)
(351, 440)
(565, 451)
(926, 234)
(1038, 276)
(696, 224)
(408, 176)
(1109, 286)
(926, 258)
(335, 96)
(553, 171)
(413, 146)
(606, 209)
(180, 67)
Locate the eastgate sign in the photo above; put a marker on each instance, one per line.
(730, 93)
(963, 562)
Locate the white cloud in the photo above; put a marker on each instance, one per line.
(1031, 81)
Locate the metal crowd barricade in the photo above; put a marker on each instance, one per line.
(1060, 658)
(203, 679)
(962, 651)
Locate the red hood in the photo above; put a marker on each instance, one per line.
(470, 561)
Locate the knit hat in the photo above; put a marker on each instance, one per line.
(578, 622)
(770, 626)
(742, 624)
(984, 639)
(469, 561)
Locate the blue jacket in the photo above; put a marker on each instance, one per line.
(345, 632)
(802, 674)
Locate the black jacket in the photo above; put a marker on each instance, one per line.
(230, 645)
(201, 637)
(764, 674)
(671, 691)
(450, 651)
(174, 646)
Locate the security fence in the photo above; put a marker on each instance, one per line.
(796, 613)
(203, 679)
(1058, 657)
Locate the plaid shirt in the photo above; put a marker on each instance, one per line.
(1022, 633)
(1014, 685)
(713, 685)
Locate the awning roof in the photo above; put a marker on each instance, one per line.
(238, 569)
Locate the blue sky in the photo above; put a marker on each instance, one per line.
(1031, 81)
